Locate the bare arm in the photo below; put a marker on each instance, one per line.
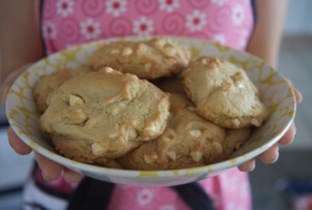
(20, 41)
(20, 44)
(265, 43)
(266, 39)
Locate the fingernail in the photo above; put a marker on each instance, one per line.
(47, 178)
(253, 166)
(72, 177)
(276, 154)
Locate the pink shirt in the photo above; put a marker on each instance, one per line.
(67, 22)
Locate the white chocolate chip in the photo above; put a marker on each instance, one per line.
(75, 100)
(142, 48)
(172, 155)
(195, 133)
(127, 51)
(240, 85)
(151, 128)
(196, 155)
(115, 51)
(132, 134)
(108, 69)
(236, 122)
(150, 158)
(204, 61)
(98, 149)
(115, 111)
(112, 135)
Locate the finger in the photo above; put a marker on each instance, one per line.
(248, 166)
(71, 176)
(17, 144)
(298, 95)
(289, 136)
(50, 170)
(271, 155)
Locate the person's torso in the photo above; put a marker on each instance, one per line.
(65, 23)
(70, 22)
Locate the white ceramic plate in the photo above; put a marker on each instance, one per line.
(276, 92)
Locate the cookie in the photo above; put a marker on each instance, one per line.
(170, 84)
(188, 141)
(79, 151)
(234, 139)
(223, 93)
(104, 114)
(46, 84)
(148, 59)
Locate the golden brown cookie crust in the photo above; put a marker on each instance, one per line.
(188, 141)
(223, 93)
(151, 59)
(235, 138)
(171, 84)
(106, 112)
(49, 83)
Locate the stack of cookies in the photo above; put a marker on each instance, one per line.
(146, 105)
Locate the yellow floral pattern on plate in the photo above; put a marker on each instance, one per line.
(276, 94)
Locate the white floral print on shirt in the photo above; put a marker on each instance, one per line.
(169, 5)
(64, 7)
(49, 30)
(196, 21)
(144, 196)
(238, 14)
(90, 29)
(115, 7)
(143, 26)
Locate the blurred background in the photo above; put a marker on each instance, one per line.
(287, 185)
(281, 186)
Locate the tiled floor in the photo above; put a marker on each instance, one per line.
(295, 63)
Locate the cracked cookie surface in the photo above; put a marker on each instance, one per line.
(188, 141)
(104, 114)
(150, 59)
(223, 93)
(48, 83)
